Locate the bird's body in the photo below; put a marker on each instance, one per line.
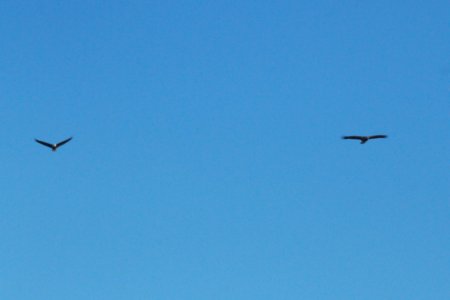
(54, 147)
(364, 139)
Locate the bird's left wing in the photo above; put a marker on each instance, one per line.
(379, 136)
(63, 142)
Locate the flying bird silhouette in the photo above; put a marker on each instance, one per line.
(364, 139)
(53, 146)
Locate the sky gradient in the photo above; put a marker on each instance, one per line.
(207, 159)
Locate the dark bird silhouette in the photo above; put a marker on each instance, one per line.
(53, 146)
(364, 139)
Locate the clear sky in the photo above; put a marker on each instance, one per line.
(207, 159)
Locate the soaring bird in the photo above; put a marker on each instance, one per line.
(53, 146)
(364, 139)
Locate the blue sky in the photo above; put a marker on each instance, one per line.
(207, 161)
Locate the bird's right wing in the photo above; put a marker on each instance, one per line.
(44, 143)
(352, 137)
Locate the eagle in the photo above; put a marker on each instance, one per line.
(53, 146)
(364, 139)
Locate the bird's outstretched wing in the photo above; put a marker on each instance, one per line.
(63, 142)
(353, 137)
(379, 136)
(44, 143)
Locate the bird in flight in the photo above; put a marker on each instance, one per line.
(364, 139)
(53, 146)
